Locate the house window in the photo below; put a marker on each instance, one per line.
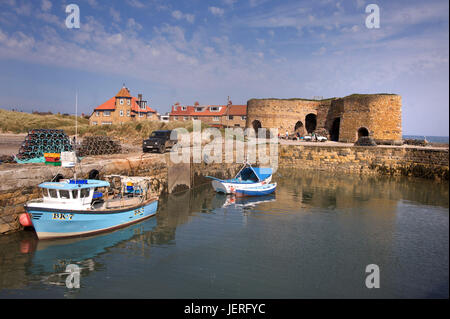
(236, 125)
(214, 109)
(106, 123)
(121, 113)
(106, 113)
(128, 113)
(216, 119)
(230, 117)
(198, 109)
(97, 113)
(195, 118)
(141, 114)
(243, 117)
(175, 118)
(183, 108)
(186, 118)
(121, 101)
(94, 123)
(128, 102)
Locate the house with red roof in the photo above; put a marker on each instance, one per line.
(122, 108)
(214, 115)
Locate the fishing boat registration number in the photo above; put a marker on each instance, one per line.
(61, 216)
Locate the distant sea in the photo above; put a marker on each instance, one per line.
(433, 139)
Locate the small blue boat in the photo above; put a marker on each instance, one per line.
(260, 190)
(71, 208)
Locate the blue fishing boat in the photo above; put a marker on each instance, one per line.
(71, 208)
(247, 177)
(260, 190)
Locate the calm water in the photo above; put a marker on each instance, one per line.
(313, 239)
(434, 139)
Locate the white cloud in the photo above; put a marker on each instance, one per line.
(46, 5)
(136, 3)
(177, 14)
(216, 11)
(132, 24)
(229, 2)
(114, 14)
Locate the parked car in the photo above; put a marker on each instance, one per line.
(159, 141)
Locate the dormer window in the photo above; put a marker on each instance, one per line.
(121, 101)
(199, 109)
(183, 108)
(128, 102)
(214, 109)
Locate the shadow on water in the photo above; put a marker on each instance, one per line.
(312, 220)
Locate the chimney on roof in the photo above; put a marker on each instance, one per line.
(140, 97)
(196, 103)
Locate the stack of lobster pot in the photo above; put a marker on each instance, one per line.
(40, 141)
(99, 145)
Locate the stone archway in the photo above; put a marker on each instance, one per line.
(256, 125)
(362, 131)
(300, 128)
(311, 122)
(334, 132)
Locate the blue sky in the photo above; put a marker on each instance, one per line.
(200, 50)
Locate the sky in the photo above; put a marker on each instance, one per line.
(206, 50)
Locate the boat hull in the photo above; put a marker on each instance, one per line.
(59, 223)
(222, 186)
(256, 191)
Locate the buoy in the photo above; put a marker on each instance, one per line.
(25, 220)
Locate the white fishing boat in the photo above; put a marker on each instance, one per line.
(248, 177)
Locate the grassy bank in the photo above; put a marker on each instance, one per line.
(18, 122)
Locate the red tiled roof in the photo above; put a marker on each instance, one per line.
(110, 105)
(190, 111)
(238, 110)
(135, 107)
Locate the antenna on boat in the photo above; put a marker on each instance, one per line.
(76, 116)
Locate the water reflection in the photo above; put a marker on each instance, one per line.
(314, 226)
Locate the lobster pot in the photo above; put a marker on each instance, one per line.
(44, 143)
(99, 145)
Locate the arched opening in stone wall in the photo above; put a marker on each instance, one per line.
(334, 132)
(300, 128)
(362, 131)
(256, 125)
(311, 122)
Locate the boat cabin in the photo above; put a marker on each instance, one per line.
(80, 192)
(251, 174)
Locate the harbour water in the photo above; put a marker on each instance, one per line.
(312, 239)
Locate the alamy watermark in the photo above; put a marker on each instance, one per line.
(238, 145)
(73, 278)
(73, 19)
(373, 279)
(373, 19)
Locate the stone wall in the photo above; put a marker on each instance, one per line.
(416, 162)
